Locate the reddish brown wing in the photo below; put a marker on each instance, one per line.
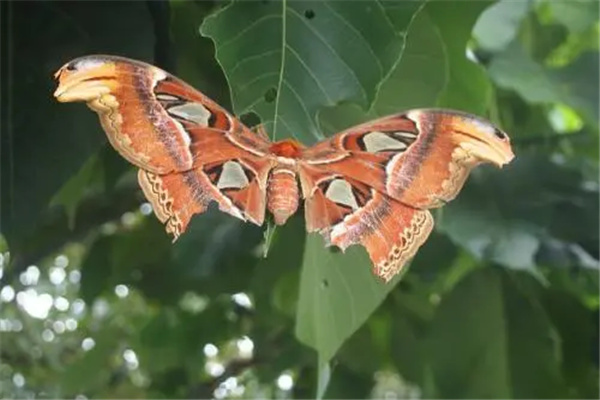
(373, 184)
(190, 151)
(348, 212)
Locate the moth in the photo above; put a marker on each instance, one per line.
(372, 184)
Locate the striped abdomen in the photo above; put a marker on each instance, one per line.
(283, 195)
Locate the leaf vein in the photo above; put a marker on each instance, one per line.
(246, 29)
(360, 36)
(312, 75)
(253, 57)
(332, 50)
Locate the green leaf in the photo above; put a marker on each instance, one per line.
(195, 53)
(98, 176)
(577, 15)
(407, 348)
(499, 24)
(433, 69)
(420, 74)
(467, 86)
(490, 339)
(325, 304)
(487, 221)
(477, 223)
(286, 60)
(285, 293)
(337, 294)
(575, 85)
(575, 324)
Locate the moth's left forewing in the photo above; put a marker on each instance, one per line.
(448, 146)
(153, 119)
(121, 91)
(190, 151)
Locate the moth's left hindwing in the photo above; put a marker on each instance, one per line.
(190, 151)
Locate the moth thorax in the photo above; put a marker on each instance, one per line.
(283, 195)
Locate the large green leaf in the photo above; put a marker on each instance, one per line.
(491, 339)
(420, 74)
(285, 39)
(337, 295)
(286, 60)
(432, 69)
(553, 202)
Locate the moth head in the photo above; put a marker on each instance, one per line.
(477, 136)
(86, 78)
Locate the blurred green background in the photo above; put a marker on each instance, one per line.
(501, 302)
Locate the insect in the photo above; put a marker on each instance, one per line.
(372, 184)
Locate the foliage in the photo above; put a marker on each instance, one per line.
(501, 302)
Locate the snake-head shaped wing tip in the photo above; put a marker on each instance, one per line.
(477, 136)
(85, 78)
(90, 77)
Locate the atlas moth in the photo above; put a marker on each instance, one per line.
(372, 184)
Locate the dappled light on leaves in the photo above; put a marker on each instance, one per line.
(285, 382)
(87, 344)
(130, 359)
(210, 350)
(35, 304)
(214, 368)
(121, 291)
(7, 294)
(242, 299)
(245, 347)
